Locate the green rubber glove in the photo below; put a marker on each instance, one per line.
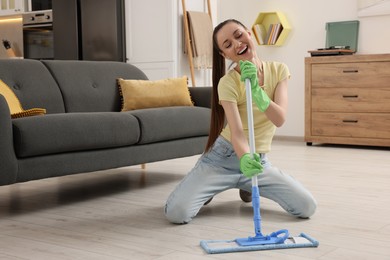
(250, 166)
(249, 71)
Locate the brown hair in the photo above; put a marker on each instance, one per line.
(219, 69)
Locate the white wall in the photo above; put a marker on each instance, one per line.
(307, 19)
(202, 77)
(374, 34)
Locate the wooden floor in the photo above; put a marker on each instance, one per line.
(118, 214)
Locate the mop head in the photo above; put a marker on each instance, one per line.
(229, 246)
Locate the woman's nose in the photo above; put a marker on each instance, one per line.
(237, 44)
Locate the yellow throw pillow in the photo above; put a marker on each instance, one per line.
(139, 94)
(14, 105)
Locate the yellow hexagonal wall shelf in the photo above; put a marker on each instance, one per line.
(271, 28)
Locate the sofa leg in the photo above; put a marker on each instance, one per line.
(143, 166)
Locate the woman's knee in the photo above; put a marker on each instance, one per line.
(177, 215)
(291, 194)
(307, 208)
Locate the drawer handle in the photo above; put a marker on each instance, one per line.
(350, 96)
(350, 121)
(350, 71)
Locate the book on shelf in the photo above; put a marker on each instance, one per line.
(260, 33)
(273, 34)
(269, 33)
(278, 30)
(267, 37)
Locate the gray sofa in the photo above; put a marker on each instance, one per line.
(83, 129)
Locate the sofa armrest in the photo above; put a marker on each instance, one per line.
(8, 162)
(201, 96)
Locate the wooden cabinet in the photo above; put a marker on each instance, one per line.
(347, 99)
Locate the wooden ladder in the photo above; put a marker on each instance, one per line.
(188, 39)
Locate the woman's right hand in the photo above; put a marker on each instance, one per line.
(249, 71)
(250, 166)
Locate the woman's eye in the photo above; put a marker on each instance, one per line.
(227, 45)
(238, 34)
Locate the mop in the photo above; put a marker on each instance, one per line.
(277, 240)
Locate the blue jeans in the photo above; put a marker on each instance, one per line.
(219, 170)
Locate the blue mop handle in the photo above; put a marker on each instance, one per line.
(251, 136)
(256, 209)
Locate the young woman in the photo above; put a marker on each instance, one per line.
(226, 163)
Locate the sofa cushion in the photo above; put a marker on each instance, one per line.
(90, 86)
(139, 94)
(169, 123)
(33, 84)
(14, 105)
(61, 133)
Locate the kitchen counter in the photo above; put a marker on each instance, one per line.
(11, 29)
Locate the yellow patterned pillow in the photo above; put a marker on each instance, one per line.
(14, 105)
(139, 94)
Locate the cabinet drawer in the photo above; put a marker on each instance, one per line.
(363, 125)
(351, 99)
(354, 74)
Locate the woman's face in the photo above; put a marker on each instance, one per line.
(235, 43)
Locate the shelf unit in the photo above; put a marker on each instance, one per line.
(268, 18)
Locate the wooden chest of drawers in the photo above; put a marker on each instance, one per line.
(347, 99)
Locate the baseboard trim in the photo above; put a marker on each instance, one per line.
(289, 138)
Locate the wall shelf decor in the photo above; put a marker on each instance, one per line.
(271, 28)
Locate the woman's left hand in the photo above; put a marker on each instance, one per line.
(250, 166)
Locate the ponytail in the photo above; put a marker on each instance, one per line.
(219, 70)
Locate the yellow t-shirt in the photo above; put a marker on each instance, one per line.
(231, 88)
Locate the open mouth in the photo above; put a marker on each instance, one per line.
(244, 50)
